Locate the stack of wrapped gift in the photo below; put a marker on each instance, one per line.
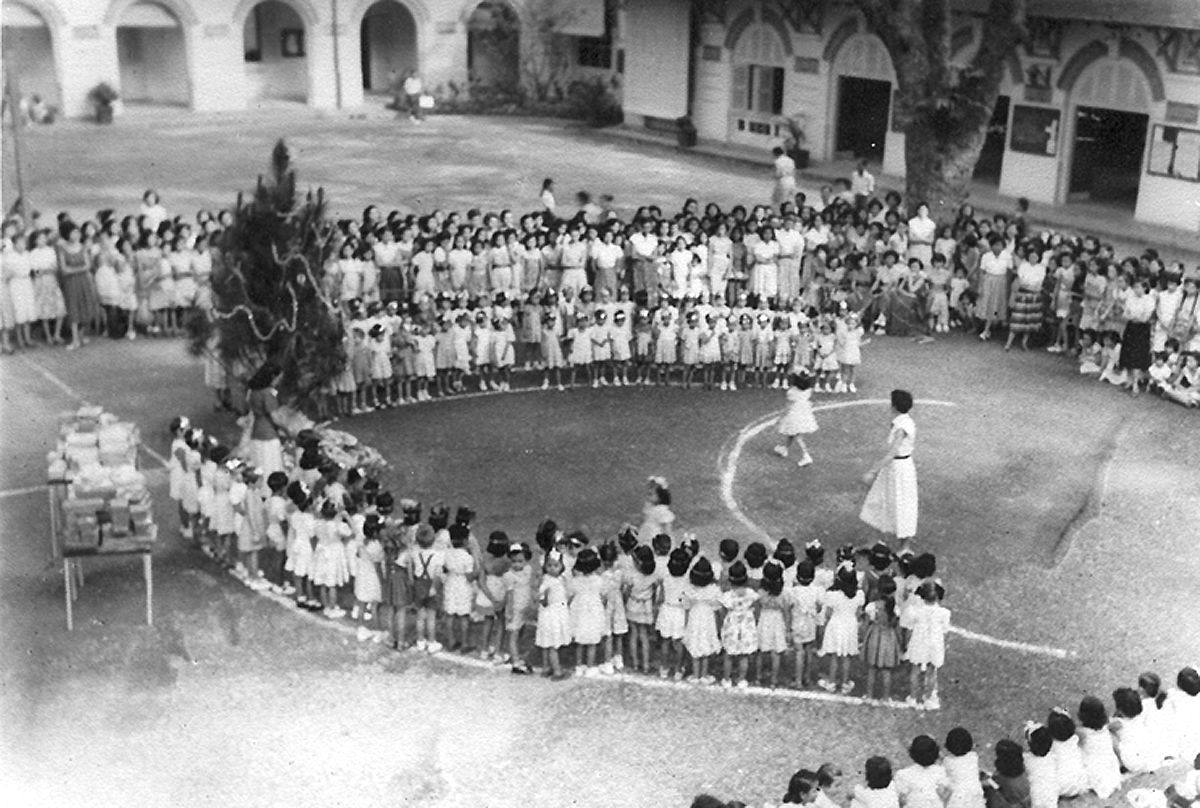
(106, 495)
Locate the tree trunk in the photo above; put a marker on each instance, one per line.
(939, 166)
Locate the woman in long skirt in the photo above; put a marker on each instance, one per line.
(994, 267)
(891, 504)
(1135, 342)
(1025, 314)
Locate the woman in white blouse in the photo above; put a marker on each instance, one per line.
(764, 275)
(994, 266)
(921, 233)
(1135, 343)
(1026, 312)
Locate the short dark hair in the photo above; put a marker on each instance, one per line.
(923, 750)
(878, 772)
(1127, 702)
(1188, 681)
(1061, 726)
(1040, 741)
(1010, 760)
(959, 742)
(902, 401)
(1092, 713)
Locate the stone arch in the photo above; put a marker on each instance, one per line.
(764, 16)
(1127, 49)
(307, 11)
(838, 38)
(45, 9)
(869, 50)
(417, 8)
(182, 10)
(29, 44)
(374, 66)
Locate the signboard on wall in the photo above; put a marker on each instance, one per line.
(1175, 153)
(1035, 130)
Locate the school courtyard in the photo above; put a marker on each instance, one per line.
(1063, 513)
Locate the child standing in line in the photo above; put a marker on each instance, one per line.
(368, 589)
(251, 507)
(274, 554)
(458, 588)
(926, 651)
(361, 362)
(641, 592)
(425, 574)
(482, 348)
(666, 337)
(764, 353)
(689, 346)
(781, 352)
(585, 588)
(621, 352)
(672, 614)
(962, 770)
(329, 568)
(841, 603)
(381, 365)
(424, 360)
(581, 351)
(554, 616)
(881, 642)
(702, 601)
(488, 608)
(504, 343)
(552, 355)
(826, 362)
(772, 621)
(798, 420)
(848, 351)
(600, 335)
(804, 608)
(176, 472)
(739, 633)
(444, 357)
(518, 601)
(616, 621)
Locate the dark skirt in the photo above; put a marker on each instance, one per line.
(1025, 316)
(79, 293)
(1135, 346)
(881, 645)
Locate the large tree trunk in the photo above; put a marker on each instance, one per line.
(939, 165)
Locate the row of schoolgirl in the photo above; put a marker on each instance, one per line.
(393, 359)
(1062, 758)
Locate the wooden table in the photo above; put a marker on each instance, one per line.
(72, 560)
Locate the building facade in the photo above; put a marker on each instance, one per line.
(232, 54)
(1102, 104)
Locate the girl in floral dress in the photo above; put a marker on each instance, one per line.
(739, 633)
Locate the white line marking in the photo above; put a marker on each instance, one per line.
(70, 391)
(50, 377)
(21, 492)
(729, 472)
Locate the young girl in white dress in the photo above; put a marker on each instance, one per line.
(1064, 751)
(657, 517)
(1183, 710)
(772, 621)
(961, 763)
(804, 609)
(702, 599)
(613, 575)
(929, 622)
(554, 616)
(458, 587)
(924, 784)
(879, 791)
(1138, 750)
(641, 590)
(1100, 763)
(586, 590)
(739, 633)
(672, 614)
(1039, 767)
(842, 604)
(798, 420)
(329, 568)
(368, 588)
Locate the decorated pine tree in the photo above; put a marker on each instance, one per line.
(267, 287)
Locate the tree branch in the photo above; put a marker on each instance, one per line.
(1004, 27)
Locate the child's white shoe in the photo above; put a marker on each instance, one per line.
(851, 387)
(724, 385)
(433, 647)
(933, 703)
(781, 451)
(618, 662)
(363, 634)
(545, 384)
(743, 684)
(911, 701)
(355, 612)
(733, 387)
(848, 688)
(804, 461)
(726, 684)
(827, 686)
(422, 645)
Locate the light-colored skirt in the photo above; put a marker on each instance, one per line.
(266, 456)
(993, 299)
(891, 504)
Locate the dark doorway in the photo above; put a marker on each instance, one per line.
(1107, 165)
(991, 158)
(862, 124)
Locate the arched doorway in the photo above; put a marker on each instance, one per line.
(494, 47)
(152, 55)
(388, 42)
(275, 53)
(758, 67)
(28, 49)
(863, 83)
(1109, 116)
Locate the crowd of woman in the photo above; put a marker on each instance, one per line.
(894, 267)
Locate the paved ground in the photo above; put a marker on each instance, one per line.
(232, 700)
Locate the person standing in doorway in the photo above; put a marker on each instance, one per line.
(862, 184)
(785, 177)
(413, 89)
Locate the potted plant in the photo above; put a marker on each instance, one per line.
(102, 97)
(685, 132)
(796, 141)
